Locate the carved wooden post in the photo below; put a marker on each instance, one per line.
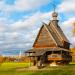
(29, 60)
(34, 61)
(61, 52)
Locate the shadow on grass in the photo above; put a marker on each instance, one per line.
(53, 72)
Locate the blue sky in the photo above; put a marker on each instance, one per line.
(20, 21)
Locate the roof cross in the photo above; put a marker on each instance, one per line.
(54, 7)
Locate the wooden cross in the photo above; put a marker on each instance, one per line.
(54, 7)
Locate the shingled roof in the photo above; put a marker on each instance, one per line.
(57, 35)
(53, 33)
(41, 51)
(58, 29)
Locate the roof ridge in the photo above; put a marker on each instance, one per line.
(54, 36)
(59, 31)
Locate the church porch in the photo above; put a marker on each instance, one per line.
(45, 56)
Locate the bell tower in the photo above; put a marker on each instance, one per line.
(54, 15)
(54, 20)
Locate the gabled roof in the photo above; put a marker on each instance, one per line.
(51, 34)
(55, 37)
(55, 33)
(58, 30)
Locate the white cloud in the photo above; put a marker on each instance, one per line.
(2, 29)
(22, 33)
(34, 20)
(3, 24)
(14, 38)
(67, 27)
(23, 5)
(30, 4)
(17, 34)
(67, 6)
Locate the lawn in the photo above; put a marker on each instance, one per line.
(12, 65)
(10, 69)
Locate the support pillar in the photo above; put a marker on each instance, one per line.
(29, 60)
(52, 52)
(34, 61)
(61, 52)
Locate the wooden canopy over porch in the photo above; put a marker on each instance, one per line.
(41, 51)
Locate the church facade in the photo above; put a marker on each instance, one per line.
(51, 45)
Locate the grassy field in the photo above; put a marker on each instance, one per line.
(10, 69)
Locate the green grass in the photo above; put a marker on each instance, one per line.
(10, 69)
(72, 63)
(10, 65)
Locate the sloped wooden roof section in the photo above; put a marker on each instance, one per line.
(55, 31)
(49, 33)
(52, 37)
(41, 51)
(54, 24)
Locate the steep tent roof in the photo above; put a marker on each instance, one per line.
(54, 24)
(55, 36)
(55, 32)
(52, 36)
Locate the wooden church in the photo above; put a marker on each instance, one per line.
(51, 45)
